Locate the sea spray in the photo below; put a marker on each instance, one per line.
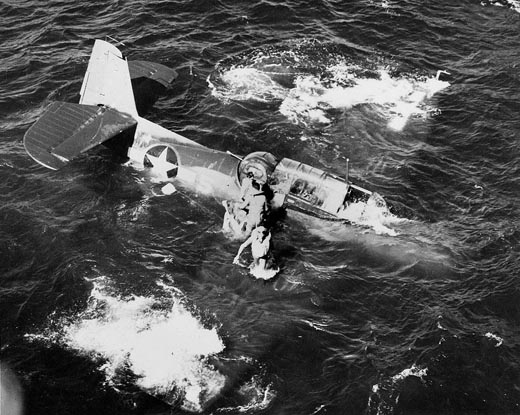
(157, 343)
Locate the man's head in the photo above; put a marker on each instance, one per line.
(262, 230)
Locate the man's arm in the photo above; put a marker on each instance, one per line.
(244, 245)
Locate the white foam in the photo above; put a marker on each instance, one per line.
(512, 4)
(412, 371)
(373, 214)
(398, 98)
(499, 340)
(515, 5)
(166, 348)
(255, 395)
(340, 84)
(245, 84)
(260, 396)
(384, 396)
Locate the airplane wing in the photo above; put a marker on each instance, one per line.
(66, 130)
(106, 108)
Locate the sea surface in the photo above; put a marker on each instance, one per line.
(116, 298)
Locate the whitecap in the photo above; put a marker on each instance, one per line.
(412, 371)
(499, 340)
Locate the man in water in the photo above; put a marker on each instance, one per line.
(260, 241)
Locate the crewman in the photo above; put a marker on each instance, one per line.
(246, 186)
(260, 241)
(256, 207)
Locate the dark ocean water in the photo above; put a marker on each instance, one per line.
(115, 300)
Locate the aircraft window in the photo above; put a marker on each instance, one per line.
(304, 190)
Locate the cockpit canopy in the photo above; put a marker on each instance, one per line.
(307, 187)
(313, 185)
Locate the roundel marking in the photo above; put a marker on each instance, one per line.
(162, 159)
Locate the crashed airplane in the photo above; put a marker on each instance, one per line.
(107, 114)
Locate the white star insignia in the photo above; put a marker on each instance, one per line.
(161, 165)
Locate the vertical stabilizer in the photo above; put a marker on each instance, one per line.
(107, 80)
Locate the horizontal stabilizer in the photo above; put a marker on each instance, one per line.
(154, 71)
(66, 130)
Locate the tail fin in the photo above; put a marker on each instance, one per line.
(107, 80)
(106, 108)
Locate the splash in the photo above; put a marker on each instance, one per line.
(373, 214)
(163, 347)
(311, 81)
(397, 99)
(512, 4)
(247, 84)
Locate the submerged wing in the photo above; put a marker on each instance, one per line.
(107, 80)
(66, 130)
(154, 71)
